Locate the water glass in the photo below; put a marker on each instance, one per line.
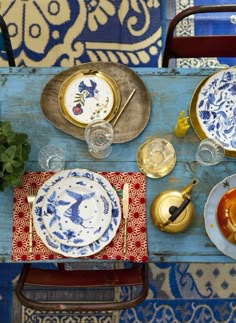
(51, 158)
(99, 137)
(209, 152)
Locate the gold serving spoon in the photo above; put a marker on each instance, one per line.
(123, 108)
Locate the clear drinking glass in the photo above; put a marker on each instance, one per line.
(209, 152)
(99, 137)
(51, 158)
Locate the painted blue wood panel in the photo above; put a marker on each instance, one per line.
(171, 92)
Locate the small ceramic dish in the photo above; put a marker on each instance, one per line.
(156, 157)
(226, 215)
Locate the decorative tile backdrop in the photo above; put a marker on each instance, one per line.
(178, 292)
(212, 22)
(70, 32)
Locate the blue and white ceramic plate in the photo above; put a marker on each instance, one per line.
(213, 109)
(89, 95)
(212, 224)
(72, 251)
(76, 211)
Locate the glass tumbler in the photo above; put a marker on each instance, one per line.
(51, 158)
(209, 152)
(99, 136)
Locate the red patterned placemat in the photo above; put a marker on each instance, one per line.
(136, 236)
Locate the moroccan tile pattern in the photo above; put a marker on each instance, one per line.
(187, 293)
(178, 292)
(70, 32)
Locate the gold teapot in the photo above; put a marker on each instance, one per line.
(172, 211)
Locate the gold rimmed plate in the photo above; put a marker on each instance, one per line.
(89, 95)
(193, 111)
(212, 109)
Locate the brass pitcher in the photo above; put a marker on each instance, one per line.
(172, 211)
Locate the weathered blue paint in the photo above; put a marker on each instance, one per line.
(171, 92)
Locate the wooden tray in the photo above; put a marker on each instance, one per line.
(132, 121)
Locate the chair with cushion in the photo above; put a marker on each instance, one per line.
(99, 280)
(198, 46)
(5, 43)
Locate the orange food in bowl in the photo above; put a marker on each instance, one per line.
(226, 215)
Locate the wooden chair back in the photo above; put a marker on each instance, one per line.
(136, 276)
(198, 46)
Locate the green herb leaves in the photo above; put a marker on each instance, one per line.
(14, 151)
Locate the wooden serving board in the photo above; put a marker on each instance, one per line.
(131, 122)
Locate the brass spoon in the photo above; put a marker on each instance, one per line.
(123, 108)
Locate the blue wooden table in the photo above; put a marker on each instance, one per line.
(170, 92)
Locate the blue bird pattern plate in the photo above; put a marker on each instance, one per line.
(76, 251)
(89, 95)
(76, 211)
(216, 108)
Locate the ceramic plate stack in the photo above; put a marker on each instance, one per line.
(76, 213)
(213, 109)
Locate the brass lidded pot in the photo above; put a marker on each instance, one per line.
(172, 211)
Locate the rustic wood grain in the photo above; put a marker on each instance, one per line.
(170, 92)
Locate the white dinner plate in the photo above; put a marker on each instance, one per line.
(76, 211)
(72, 251)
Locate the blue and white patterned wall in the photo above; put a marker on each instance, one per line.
(215, 23)
(70, 32)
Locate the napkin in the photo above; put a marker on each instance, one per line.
(136, 231)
